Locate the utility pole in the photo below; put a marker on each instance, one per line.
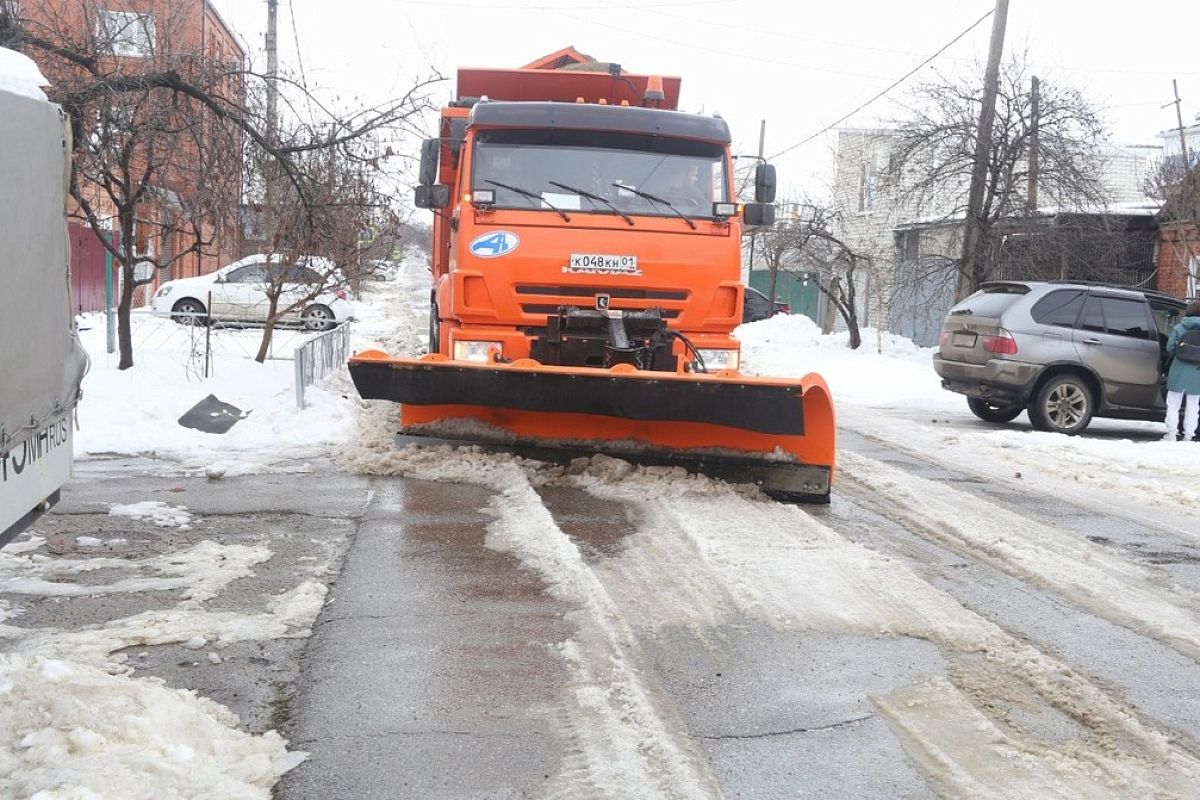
(1034, 111)
(973, 232)
(1183, 150)
(272, 42)
(268, 223)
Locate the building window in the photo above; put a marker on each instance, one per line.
(125, 33)
(1194, 277)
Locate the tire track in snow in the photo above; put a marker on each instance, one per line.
(778, 564)
(620, 742)
(1090, 576)
(624, 744)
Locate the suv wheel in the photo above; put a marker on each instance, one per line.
(988, 411)
(1064, 404)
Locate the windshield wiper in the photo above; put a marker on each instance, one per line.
(528, 194)
(591, 196)
(656, 199)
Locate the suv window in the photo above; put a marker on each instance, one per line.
(1059, 308)
(1165, 317)
(988, 302)
(1116, 315)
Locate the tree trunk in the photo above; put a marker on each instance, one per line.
(264, 346)
(124, 334)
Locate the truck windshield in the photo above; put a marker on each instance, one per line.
(622, 169)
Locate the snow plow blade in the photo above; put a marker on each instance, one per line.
(776, 433)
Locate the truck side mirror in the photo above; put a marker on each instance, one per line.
(430, 149)
(437, 196)
(764, 183)
(758, 215)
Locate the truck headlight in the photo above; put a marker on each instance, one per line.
(474, 351)
(717, 360)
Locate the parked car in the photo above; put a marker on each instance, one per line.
(757, 306)
(1065, 352)
(238, 294)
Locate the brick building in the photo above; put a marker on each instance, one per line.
(129, 37)
(1179, 234)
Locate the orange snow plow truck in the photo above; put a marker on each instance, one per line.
(586, 280)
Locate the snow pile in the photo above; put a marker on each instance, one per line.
(886, 370)
(161, 514)
(74, 723)
(20, 75)
(73, 731)
(136, 410)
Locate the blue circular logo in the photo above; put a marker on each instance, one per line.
(494, 244)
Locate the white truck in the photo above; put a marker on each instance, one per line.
(41, 360)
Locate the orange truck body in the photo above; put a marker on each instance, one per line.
(597, 317)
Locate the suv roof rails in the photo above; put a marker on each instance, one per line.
(1105, 285)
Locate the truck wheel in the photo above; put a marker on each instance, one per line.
(989, 411)
(1064, 404)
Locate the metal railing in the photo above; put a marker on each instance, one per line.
(319, 356)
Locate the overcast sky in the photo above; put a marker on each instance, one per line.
(799, 65)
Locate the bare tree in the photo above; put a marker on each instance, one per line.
(804, 241)
(160, 127)
(320, 235)
(934, 152)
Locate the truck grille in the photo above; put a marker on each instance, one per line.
(671, 301)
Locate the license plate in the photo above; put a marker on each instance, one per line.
(964, 340)
(596, 262)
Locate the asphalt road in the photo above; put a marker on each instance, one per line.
(447, 666)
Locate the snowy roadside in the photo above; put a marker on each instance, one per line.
(130, 625)
(135, 411)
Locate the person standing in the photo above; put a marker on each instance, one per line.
(1183, 378)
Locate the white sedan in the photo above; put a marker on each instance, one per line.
(238, 293)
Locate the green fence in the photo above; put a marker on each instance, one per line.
(797, 289)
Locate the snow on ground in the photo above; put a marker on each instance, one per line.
(135, 411)
(74, 720)
(162, 514)
(85, 734)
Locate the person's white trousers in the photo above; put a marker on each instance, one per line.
(1191, 413)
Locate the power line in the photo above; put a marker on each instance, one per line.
(296, 39)
(891, 86)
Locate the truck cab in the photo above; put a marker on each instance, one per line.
(551, 215)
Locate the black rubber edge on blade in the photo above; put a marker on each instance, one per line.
(763, 409)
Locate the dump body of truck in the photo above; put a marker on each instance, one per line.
(586, 280)
(41, 361)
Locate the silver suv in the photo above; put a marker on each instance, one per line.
(1066, 352)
